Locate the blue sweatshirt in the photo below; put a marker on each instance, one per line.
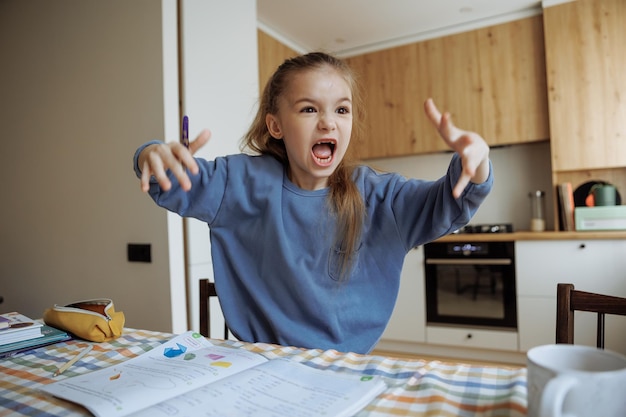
(275, 267)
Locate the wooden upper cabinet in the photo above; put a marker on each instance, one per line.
(272, 53)
(394, 114)
(491, 80)
(514, 99)
(586, 66)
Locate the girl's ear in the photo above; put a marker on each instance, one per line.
(273, 126)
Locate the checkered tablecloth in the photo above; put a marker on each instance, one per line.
(416, 387)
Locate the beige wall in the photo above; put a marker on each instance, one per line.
(82, 87)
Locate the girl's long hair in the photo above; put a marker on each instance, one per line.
(344, 198)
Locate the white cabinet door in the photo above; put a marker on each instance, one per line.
(591, 265)
(536, 321)
(408, 320)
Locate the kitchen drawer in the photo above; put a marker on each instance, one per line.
(472, 338)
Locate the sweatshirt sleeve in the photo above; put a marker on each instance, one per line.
(207, 189)
(136, 166)
(423, 210)
(440, 213)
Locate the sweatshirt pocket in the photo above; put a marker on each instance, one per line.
(335, 258)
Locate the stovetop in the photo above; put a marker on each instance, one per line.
(487, 228)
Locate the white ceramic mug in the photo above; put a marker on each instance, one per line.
(575, 381)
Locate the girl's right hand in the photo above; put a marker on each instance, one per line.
(470, 146)
(156, 159)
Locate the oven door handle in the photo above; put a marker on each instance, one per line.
(468, 261)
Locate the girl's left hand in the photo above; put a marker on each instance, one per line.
(470, 146)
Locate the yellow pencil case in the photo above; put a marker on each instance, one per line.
(94, 320)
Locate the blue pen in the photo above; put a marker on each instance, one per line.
(185, 137)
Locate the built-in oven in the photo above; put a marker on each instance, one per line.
(471, 282)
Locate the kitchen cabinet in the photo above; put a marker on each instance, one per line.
(408, 320)
(591, 265)
(596, 264)
(585, 63)
(407, 331)
(491, 80)
(272, 53)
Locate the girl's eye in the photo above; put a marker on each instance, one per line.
(343, 110)
(308, 109)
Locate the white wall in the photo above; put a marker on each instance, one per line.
(220, 92)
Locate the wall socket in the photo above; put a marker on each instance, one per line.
(139, 252)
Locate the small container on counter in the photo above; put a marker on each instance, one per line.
(538, 210)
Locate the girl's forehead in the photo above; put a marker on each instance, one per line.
(308, 78)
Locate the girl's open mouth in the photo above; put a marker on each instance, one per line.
(323, 151)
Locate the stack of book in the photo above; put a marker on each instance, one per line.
(19, 333)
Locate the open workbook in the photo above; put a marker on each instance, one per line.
(189, 376)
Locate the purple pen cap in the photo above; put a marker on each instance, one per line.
(185, 136)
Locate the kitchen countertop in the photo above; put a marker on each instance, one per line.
(528, 235)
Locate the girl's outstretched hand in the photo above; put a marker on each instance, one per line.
(471, 147)
(158, 158)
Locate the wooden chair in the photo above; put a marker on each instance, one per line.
(207, 290)
(569, 300)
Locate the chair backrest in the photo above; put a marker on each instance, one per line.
(569, 300)
(207, 290)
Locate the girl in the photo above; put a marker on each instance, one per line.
(307, 247)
